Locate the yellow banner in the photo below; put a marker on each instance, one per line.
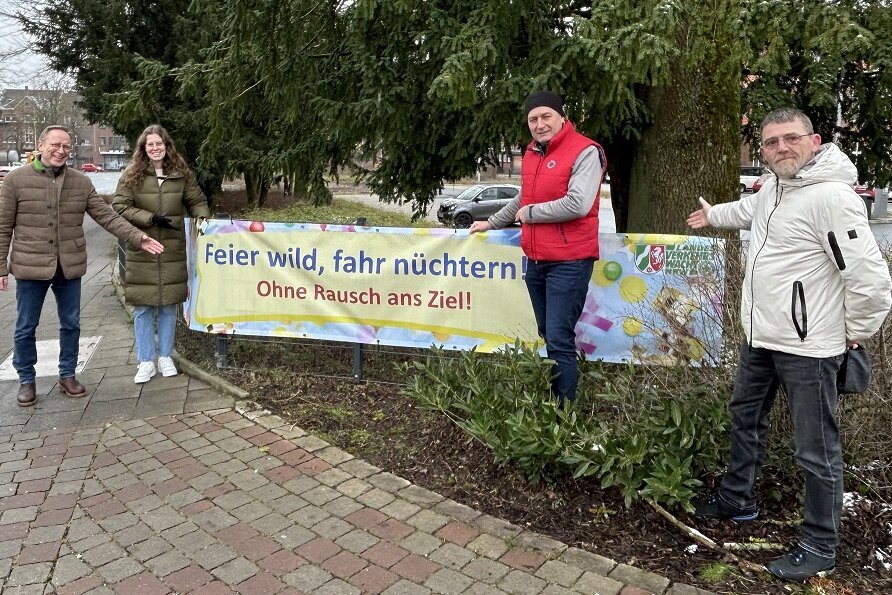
(447, 284)
(652, 298)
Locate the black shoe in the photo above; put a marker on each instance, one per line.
(716, 507)
(800, 565)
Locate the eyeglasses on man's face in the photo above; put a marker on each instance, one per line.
(791, 140)
(60, 147)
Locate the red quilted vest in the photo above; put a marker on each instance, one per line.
(546, 178)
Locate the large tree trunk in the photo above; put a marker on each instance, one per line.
(211, 187)
(264, 192)
(693, 147)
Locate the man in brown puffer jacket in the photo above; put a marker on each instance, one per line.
(42, 207)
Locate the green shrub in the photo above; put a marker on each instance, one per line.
(665, 446)
(652, 431)
(498, 400)
(625, 433)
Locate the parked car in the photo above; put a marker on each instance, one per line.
(5, 169)
(477, 203)
(760, 181)
(865, 191)
(91, 167)
(748, 176)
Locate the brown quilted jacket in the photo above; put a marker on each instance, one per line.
(42, 218)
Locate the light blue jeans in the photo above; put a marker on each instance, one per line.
(144, 318)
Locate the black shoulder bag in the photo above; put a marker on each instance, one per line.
(854, 373)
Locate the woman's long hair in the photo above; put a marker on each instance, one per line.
(172, 162)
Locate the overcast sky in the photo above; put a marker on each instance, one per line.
(20, 70)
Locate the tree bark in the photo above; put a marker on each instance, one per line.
(692, 147)
(251, 186)
(264, 191)
(620, 156)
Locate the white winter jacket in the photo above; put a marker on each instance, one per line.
(814, 275)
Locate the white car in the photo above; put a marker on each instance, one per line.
(748, 175)
(5, 169)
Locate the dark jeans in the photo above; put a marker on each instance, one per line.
(810, 384)
(30, 296)
(557, 292)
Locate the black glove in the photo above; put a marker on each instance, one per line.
(162, 221)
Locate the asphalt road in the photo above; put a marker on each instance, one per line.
(605, 214)
(105, 182)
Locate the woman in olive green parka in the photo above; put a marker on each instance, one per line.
(155, 193)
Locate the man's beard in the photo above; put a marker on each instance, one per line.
(787, 168)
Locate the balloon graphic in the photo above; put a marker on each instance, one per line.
(632, 326)
(632, 289)
(606, 272)
(613, 270)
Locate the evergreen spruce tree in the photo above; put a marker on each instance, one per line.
(415, 93)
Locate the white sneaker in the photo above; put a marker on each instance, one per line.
(165, 364)
(144, 372)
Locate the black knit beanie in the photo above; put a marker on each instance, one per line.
(545, 99)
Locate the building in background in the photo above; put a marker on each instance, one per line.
(25, 112)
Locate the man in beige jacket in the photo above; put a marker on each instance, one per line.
(815, 284)
(42, 207)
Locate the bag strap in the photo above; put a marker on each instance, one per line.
(843, 368)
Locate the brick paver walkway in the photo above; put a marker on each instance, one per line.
(104, 495)
(218, 502)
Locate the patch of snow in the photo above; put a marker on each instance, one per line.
(868, 467)
(883, 558)
(849, 500)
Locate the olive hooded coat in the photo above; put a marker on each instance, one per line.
(150, 279)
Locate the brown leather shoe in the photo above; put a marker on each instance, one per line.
(27, 395)
(72, 388)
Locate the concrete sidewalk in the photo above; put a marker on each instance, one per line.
(174, 487)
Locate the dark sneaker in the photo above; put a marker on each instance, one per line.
(716, 507)
(800, 565)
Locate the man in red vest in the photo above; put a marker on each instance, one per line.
(558, 207)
